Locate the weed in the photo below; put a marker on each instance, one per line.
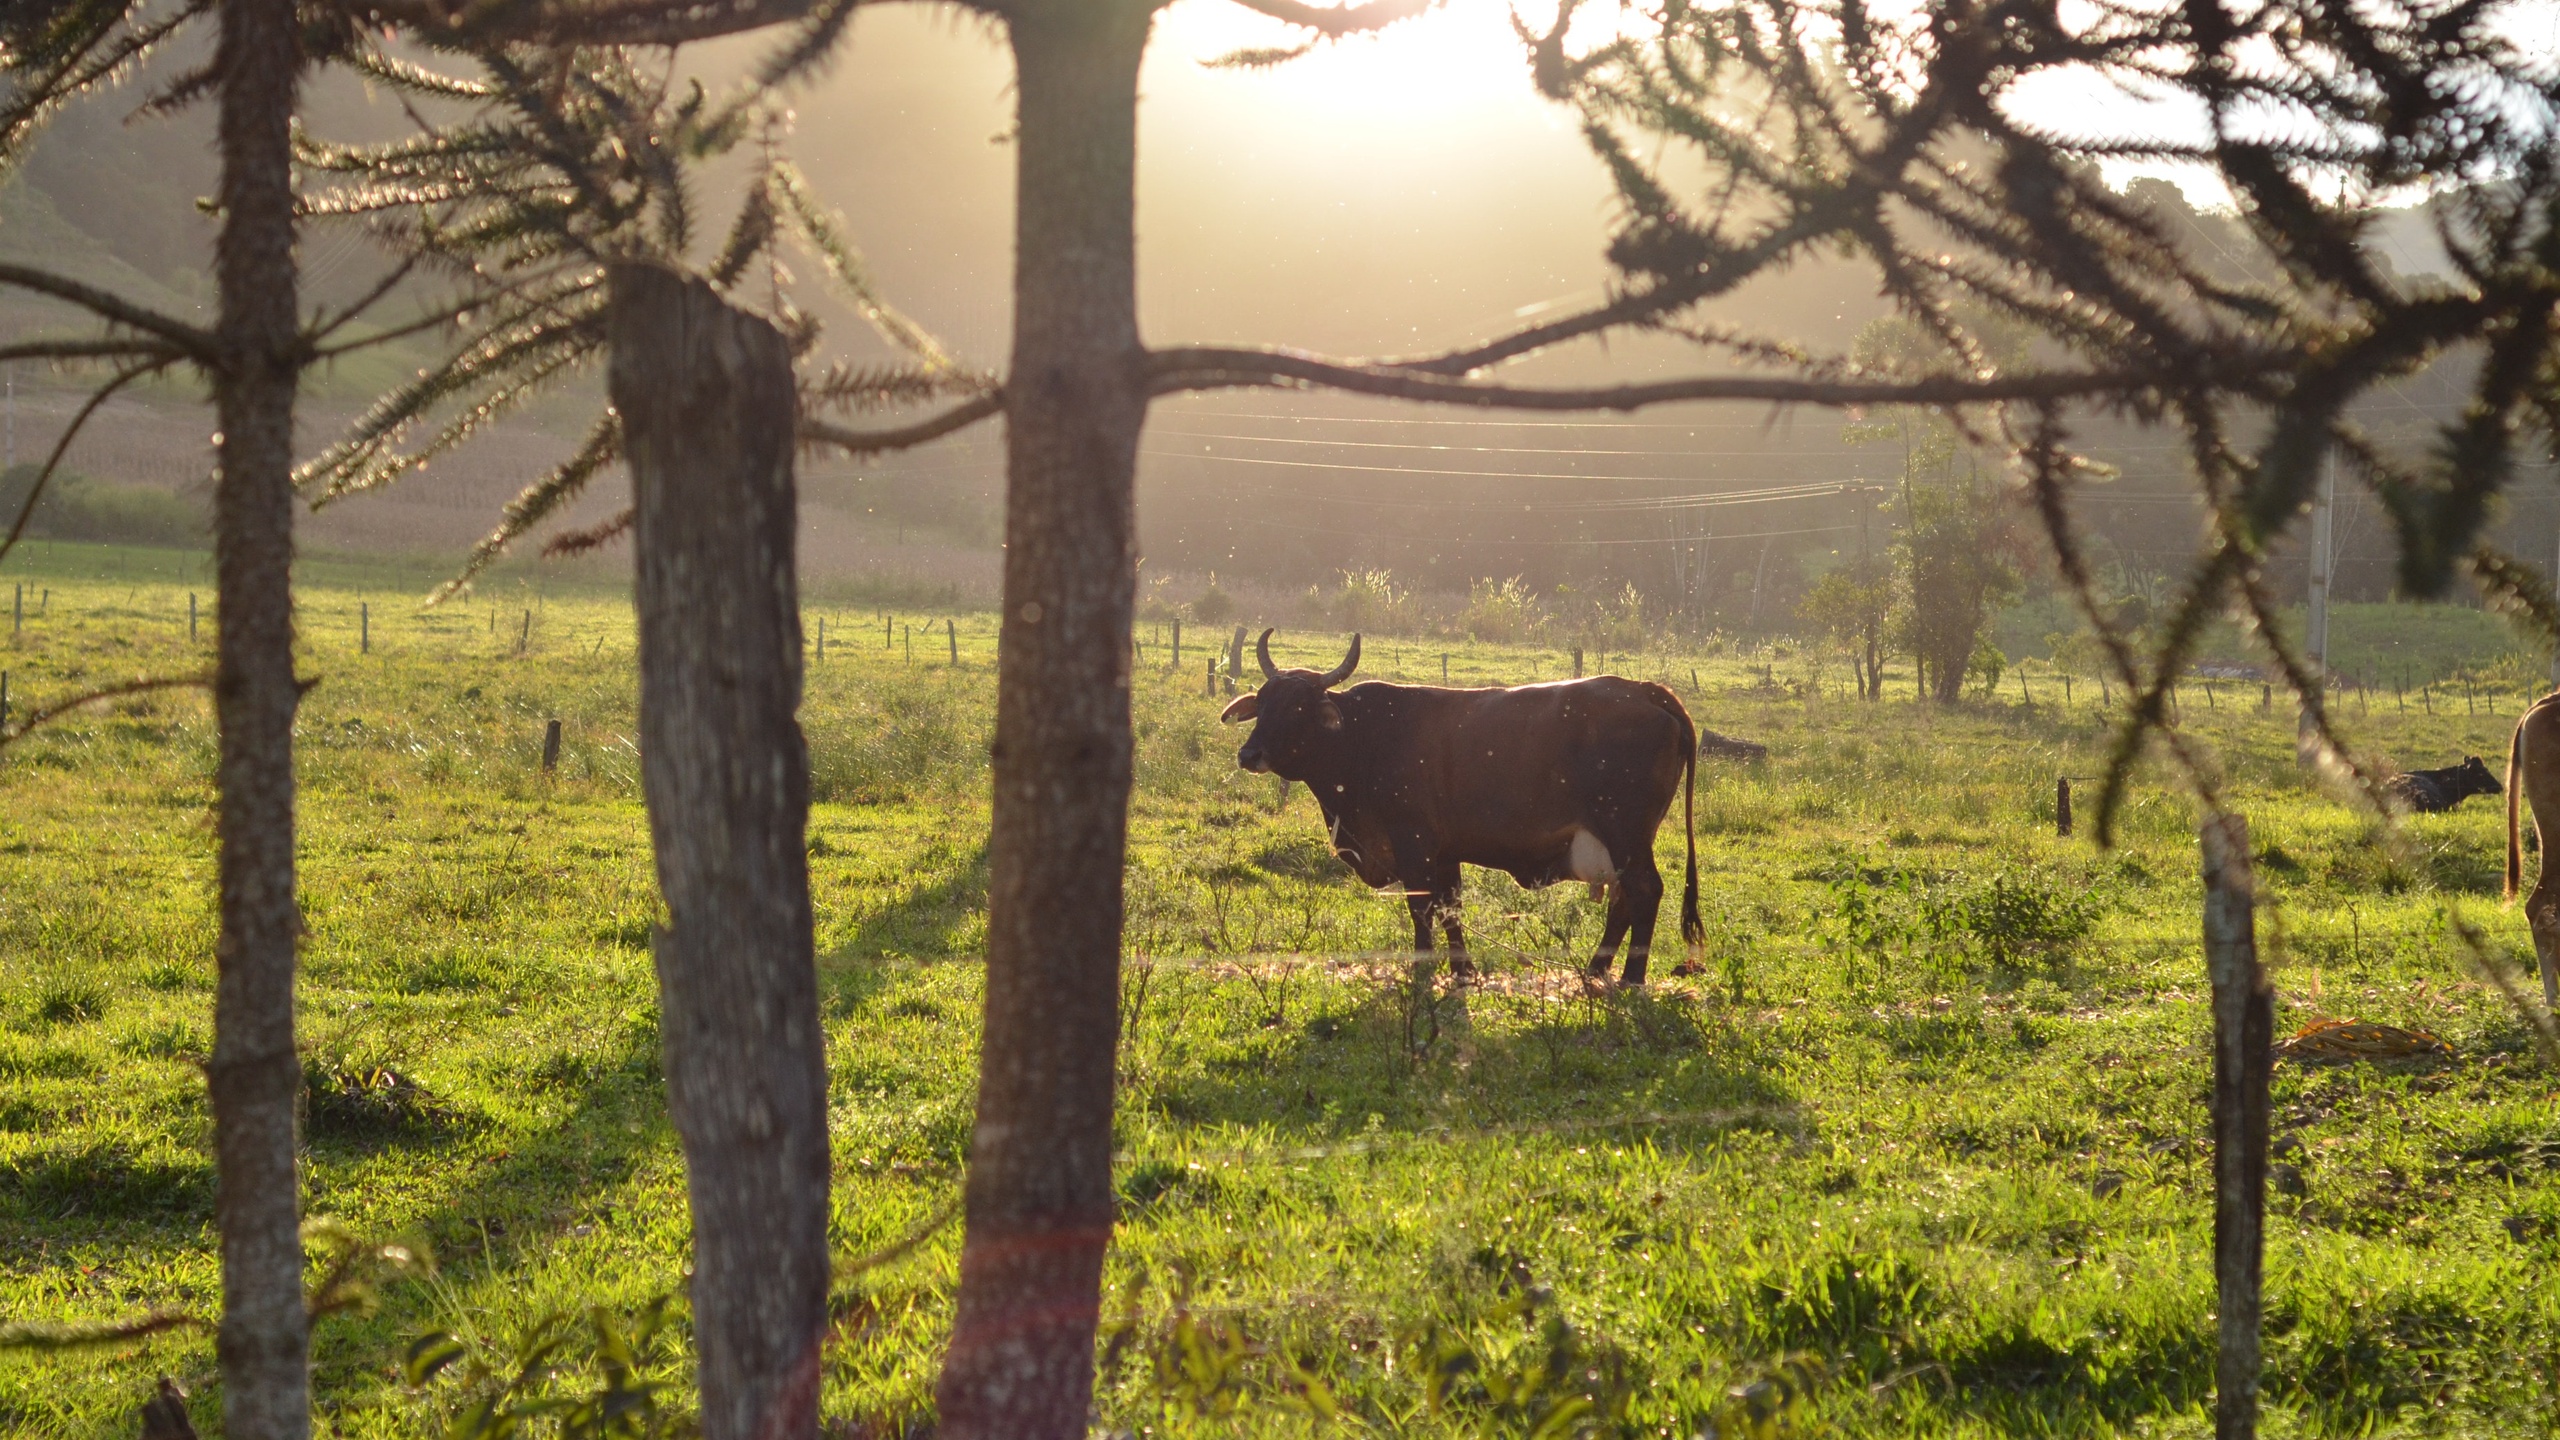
(73, 1002)
(354, 1100)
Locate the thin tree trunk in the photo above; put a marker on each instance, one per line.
(2243, 1037)
(708, 413)
(1039, 1197)
(254, 1076)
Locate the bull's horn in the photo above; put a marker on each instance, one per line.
(1350, 662)
(1262, 652)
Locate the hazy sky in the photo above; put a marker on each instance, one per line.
(1385, 194)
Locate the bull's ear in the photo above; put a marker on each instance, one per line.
(1328, 714)
(1243, 707)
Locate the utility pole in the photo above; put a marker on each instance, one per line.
(2322, 506)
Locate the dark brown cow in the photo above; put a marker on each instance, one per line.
(1563, 781)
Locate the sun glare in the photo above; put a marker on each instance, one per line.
(1442, 73)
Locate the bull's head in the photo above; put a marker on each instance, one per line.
(1291, 714)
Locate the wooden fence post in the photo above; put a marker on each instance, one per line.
(191, 617)
(2243, 1037)
(822, 639)
(364, 627)
(1176, 662)
(951, 632)
(524, 637)
(1577, 662)
(550, 747)
(2062, 806)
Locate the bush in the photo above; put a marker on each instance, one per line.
(1369, 601)
(1503, 611)
(74, 507)
(1215, 606)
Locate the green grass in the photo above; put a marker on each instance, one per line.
(1920, 1152)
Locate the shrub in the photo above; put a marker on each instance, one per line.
(1502, 611)
(76, 507)
(1369, 601)
(1215, 606)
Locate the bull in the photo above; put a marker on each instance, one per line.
(1562, 781)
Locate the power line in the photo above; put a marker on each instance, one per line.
(1486, 543)
(1711, 500)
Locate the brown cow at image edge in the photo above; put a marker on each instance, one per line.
(2533, 778)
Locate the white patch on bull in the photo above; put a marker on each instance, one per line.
(1590, 863)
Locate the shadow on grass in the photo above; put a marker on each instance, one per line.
(928, 921)
(513, 1195)
(1399, 1058)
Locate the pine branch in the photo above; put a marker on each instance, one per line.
(538, 500)
(1360, 17)
(37, 1336)
(459, 24)
(1210, 368)
(818, 433)
(196, 344)
(62, 446)
(104, 348)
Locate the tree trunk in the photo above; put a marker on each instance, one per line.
(708, 413)
(2243, 1041)
(254, 1076)
(1039, 1192)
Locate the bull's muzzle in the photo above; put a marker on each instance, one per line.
(1251, 758)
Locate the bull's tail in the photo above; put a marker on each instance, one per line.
(2515, 766)
(1692, 930)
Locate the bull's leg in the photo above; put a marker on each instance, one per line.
(1611, 932)
(1444, 904)
(1640, 900)
(1423, 904)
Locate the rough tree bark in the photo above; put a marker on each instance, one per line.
(1039, 1199)
(254, 1076)
(708, 413)
(2243, 1040)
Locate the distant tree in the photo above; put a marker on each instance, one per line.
(1851, 606)
(1957, 556)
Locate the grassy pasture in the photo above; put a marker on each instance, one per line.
(1919, 1152)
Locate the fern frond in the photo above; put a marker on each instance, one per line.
(821, 231)
(538, 500)
(866, 388)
